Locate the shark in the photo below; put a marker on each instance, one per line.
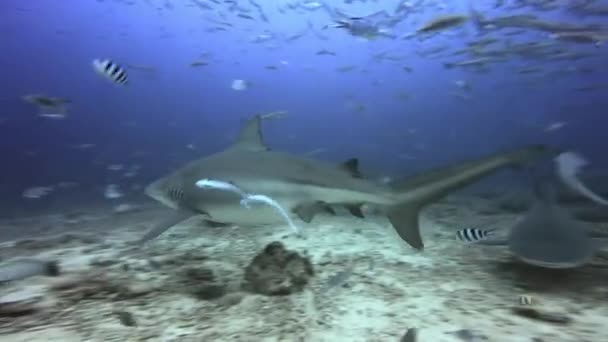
(307, 187)
(548, 236)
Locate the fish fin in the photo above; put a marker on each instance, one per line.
(329, 210)
(307, 211)
(430, 186)
(352, 167)
(215, 224)
(164, 225)
(404, 219)
(355, 210)
(250, 137)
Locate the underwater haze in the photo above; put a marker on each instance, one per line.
(103, 102)
(379, 111)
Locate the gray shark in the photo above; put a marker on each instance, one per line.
(306, 187)
(549, 237)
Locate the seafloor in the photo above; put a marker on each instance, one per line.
(367, 284)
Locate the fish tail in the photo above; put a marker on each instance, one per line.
(415, 193)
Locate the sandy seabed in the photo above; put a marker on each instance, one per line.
(186, 285)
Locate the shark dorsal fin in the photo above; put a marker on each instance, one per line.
(351, 166)
(250, 136)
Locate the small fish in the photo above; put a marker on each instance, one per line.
(277, 114)
(471, 235)
(115, 167)
(442, 23)
(261, 38)
(110, 70)
(57, 116)
(324, 52)
(198, 64)
(462, 84)
(245, 16)
(476, 62)
(112, 192)
(525, 300)
(240, 85)
(346, 68)
(24, 268)
(338, 279)
(123, 208)
(48, 107)
(554, 126)
(311, 5)
(37, 192)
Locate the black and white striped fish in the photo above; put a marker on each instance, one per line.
(471, 235)
(525, 300)
(110, 70)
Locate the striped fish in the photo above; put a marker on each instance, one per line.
(110, 70)
(471, 235)
(525, 300)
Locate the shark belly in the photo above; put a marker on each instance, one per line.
(257, 214)
(288, 195)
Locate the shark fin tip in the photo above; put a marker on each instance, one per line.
(404, 219)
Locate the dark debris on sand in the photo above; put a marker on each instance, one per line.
(277, 271)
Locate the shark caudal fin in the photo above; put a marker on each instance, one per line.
(430, 186)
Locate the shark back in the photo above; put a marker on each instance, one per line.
(293, 181)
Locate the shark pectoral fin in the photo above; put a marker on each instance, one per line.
(352, 167)
(404, 219)
(355, 210)
(307, 211)
(329, 210)
(215, 224)
(164, 225)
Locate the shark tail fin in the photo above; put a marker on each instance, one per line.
(415, 193)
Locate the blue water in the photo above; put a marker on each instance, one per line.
(48, 46)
